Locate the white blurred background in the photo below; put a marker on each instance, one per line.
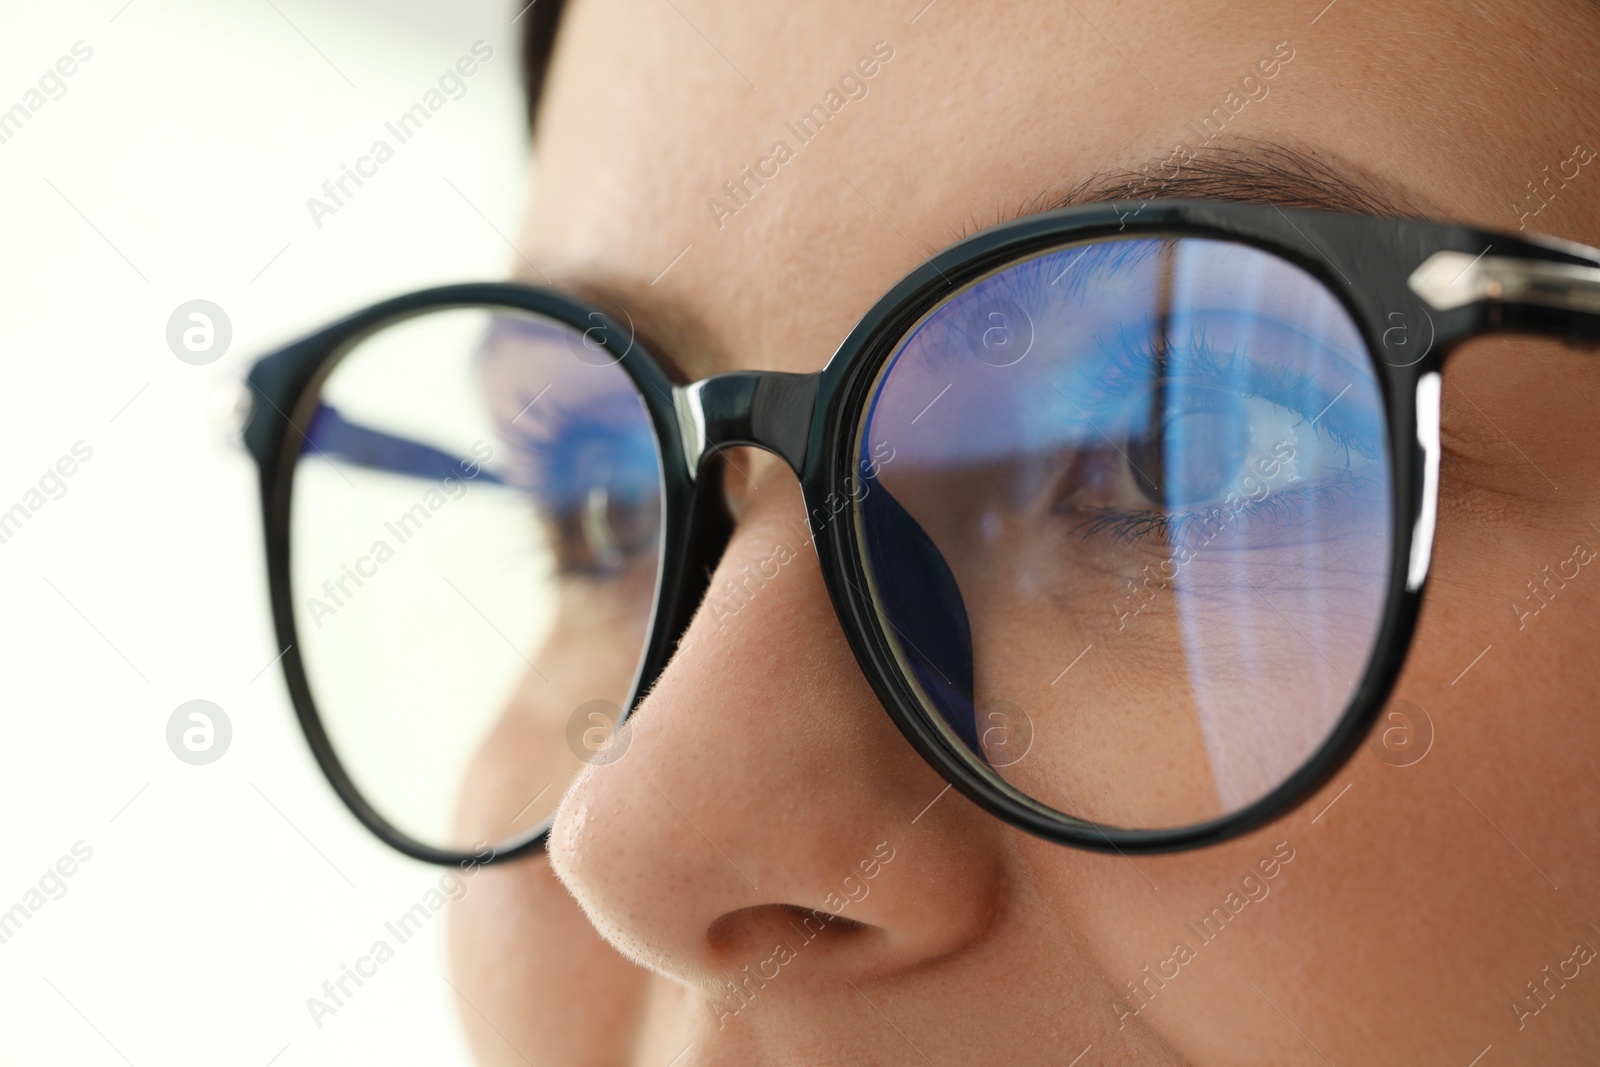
(176, 166)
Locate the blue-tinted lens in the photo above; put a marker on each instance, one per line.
(1130, 523)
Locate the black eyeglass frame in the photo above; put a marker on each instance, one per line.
(1444, 281)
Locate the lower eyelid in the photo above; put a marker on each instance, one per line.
(1159, 528)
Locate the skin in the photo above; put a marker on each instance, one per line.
(761, 771)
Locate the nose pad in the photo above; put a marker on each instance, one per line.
(920, 596)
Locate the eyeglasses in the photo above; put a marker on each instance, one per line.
(1126, 515)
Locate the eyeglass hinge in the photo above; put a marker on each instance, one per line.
(1449, 280)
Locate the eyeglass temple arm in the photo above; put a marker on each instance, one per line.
(336, 438)
(1449, 280)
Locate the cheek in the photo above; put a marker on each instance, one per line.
(560, 718)
(1448, 868)
(518, 774)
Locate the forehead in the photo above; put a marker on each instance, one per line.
(746, 179)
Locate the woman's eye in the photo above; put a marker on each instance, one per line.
(611, 527)
(597, 495)
(1197, 445)
(1195, 451)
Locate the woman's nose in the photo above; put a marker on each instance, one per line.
(767, 813)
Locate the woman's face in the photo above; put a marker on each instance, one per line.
(1414, 910)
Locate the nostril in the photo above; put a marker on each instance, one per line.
(749, 934)
(753, 948)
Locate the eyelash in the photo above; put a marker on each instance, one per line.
(1132, 365)
(1128, 528)
(555, 452)
(552, 443)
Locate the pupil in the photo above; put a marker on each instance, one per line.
(1198, 449)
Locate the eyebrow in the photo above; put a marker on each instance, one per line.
(1233, 169)
(1248, 171)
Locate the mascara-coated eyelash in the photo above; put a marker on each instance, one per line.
(566, 446)
(1110, 397)
(1132, 365)
(594, 482)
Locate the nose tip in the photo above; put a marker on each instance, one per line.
(767, 800)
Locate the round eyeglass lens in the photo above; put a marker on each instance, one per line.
(1126, 516)
(474, 551)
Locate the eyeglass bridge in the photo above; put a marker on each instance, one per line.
(770, 410)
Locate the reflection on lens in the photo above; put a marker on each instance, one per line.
(475, 528)
(1163, 538)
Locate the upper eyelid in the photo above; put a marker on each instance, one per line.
(1053, 282)
(1354, 430)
